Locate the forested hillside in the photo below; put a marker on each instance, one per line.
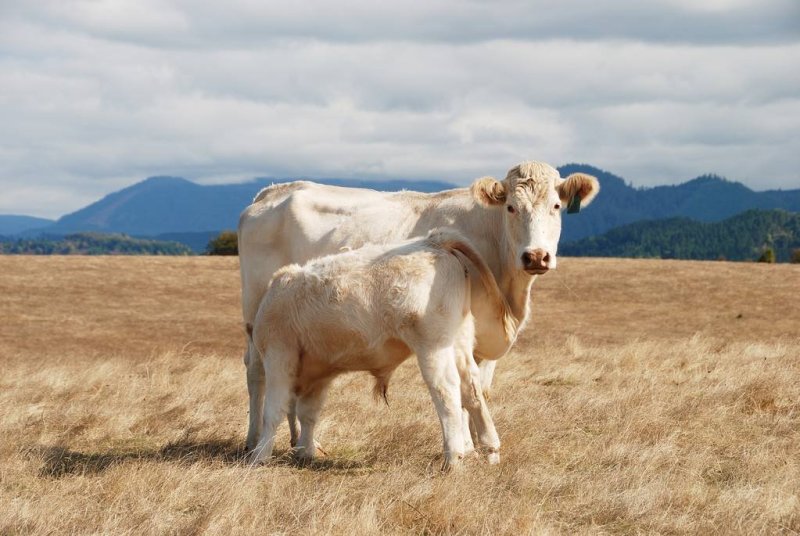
(90, 244)
(743, 237)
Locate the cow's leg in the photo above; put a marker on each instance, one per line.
(309, 406)
(291, 416)
(255, 391)
(441, 375)
(474, 402)
(467, 429)
(280, 365)
(487, 375)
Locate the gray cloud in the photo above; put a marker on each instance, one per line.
(243, 23)
(96, 95)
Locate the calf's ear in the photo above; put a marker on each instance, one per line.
(488, 191)
(578, 188)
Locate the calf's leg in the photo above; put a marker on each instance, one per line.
(475, 404)
(280, 366)
(309, 406)
(439, 371)
(255, 391)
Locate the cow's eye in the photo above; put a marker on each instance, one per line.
(558, 206)
(511, 209)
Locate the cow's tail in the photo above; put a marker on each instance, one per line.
(456, 244)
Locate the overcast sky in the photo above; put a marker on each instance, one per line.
(97, 95)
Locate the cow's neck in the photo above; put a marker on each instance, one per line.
(514, 283)
(517, 291)
(486, 230)
(500, 255)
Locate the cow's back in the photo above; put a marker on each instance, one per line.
(262, 241)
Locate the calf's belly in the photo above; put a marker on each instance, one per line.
(317, 369)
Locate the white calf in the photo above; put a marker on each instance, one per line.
(369, 310)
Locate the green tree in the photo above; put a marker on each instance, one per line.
(795, 256)
(768, 255)
(225, 243)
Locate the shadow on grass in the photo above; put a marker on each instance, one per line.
(59, 461)
(286, 458)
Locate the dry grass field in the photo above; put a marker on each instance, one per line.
(644, 397)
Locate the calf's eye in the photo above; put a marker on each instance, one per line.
(511, 209)
(558, 206)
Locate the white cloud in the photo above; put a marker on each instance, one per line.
(95, 95)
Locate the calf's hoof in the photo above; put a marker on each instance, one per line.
(259, 455)
(453, 462)
(303, 455)
(253, 459)
(493, 458)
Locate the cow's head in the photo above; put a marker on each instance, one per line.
(531, 198)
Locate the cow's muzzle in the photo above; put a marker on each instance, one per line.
(536, 261)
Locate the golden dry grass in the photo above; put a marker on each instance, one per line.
(645, 397)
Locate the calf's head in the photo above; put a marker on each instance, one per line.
(531, 199)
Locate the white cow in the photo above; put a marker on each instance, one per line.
(514, 224)
(369, 310)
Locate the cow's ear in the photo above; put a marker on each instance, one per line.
(488, 191)
(578, 188)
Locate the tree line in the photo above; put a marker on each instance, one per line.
(766, 235)
(90, 244)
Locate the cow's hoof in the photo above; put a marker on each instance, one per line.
(493, 458)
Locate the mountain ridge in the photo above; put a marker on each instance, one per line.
(11, 224)
(706, 198)
(167, 205)
(174, 206)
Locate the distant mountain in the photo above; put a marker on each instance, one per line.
(162, 205)
(707, 198)
(90, 244)
(742, 237)
(12, 224)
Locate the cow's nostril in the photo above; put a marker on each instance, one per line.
(527, 259)
(537, 259)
